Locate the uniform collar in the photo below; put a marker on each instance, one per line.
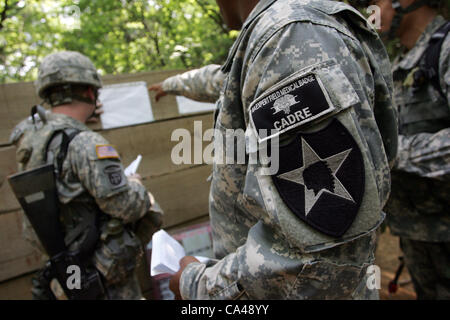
(65, 120)
(260, 7)
(412, 57)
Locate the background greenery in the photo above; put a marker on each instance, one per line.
(120, 36)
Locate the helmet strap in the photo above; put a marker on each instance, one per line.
(66, 96)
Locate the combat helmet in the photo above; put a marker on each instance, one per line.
(65, 69)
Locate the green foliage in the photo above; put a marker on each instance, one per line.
(119, 36)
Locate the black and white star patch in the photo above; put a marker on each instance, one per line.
(289, 105)
(321, 178)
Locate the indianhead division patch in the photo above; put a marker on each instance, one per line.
(295, 103)
(321, 178)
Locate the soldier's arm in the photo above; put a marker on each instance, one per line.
(272, 254)
(99, 169)
(202, 84)
(426, 154)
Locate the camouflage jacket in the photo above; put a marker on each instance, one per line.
(91, 184)
(306, 69)
(418, 208)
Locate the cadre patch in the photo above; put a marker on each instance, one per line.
(290, 105)
(115, 175)
(106, 151)
(321, 178)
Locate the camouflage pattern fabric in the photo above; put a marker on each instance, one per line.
(266, 252)
(418, 207)
(90, 187)
(429, 266)
(202, 84)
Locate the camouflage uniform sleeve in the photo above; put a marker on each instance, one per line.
(269, 261)
(202, 84)
(425, 154)
(101, 173)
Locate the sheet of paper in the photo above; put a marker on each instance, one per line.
(132, 168)
(186, 105)
(125, 104)
(166, 254)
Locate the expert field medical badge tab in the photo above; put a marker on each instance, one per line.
(321, 178)
(289, 105)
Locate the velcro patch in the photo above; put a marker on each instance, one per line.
(321, 178)
(289, 105)
(106, 151)
(115, 176)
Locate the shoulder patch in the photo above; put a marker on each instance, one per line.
(289, 105)
(321, 178)
(115, 176)
(106, 151)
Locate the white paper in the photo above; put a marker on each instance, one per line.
(186, 105)
(132, 168)
(125, 104)
(166, 254)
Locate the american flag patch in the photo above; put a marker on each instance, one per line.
(106, 151)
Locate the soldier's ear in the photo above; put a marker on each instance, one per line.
(91, 93)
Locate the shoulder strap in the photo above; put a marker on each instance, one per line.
(67, 136)
(429, 65)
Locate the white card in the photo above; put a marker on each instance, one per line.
(125, 104)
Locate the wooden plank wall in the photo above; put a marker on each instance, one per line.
(181, 190)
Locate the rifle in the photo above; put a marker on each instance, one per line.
(37, 194)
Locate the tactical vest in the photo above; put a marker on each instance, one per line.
(109, 246)
(42, 143)
(422, 105)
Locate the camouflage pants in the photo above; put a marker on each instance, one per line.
(429, 266)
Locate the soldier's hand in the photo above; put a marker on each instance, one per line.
(135, 177)
(96, 116)
(175, 280)
(159, 91)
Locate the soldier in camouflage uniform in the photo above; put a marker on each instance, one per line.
(99, 204)
(418, 210)
(308, 230)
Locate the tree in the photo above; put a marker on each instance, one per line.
(119, 36)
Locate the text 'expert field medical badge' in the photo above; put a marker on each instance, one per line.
(321, 178)
(290, 104)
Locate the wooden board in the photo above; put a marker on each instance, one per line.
(17, 288)
(153, 142)
(182, 195)
(16, 255)
(16, 99)
(8, 166)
